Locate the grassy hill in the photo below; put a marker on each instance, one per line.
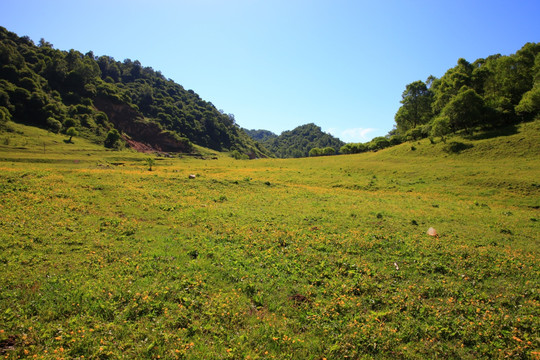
(310, 258)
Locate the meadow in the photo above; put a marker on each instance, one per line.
(315, 258)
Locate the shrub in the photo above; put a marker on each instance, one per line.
(238, 155)
(113, 139)
(315, 152)
(441, 127)
(379, 143)
(455, 147)
(328, 151)
(54, 125)
(5, 115)
(414, 134)
(150, 162)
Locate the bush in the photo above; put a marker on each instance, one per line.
(441, 127)
(5, 115)
(315, 152)
(69, 123)
(414, 134)
(113, 139)
(455, 147)
(238, 155)
(328, 151)
(396, 140)
(379, 143)
(54, 125)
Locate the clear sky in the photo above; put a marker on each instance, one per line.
(278, 64)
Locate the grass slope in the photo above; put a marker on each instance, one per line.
(299, 258)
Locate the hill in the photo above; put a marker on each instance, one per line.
(260, 135)
(297, 142)
(58, 90)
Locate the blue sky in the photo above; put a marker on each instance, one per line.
(278, 64)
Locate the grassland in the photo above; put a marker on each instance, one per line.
(270, 259)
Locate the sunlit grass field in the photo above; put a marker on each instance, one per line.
(318, 258)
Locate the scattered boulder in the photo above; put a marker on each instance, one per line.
(192, 176)
(432, 232)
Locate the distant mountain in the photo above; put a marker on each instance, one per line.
(58, 90)
(297, 142)
(260, 135)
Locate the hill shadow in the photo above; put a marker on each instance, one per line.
(489, 134)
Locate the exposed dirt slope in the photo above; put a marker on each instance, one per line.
(141, 135)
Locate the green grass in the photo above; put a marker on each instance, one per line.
(300, 258)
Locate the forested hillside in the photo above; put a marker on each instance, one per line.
(297, 142)
(495, 92)
(491, 92)
(97, 96)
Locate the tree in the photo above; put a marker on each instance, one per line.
(441, 127)
(416, 108)
(530, 102)
(465, 110)
(113, 136)
(44, 43)
(5, 116)
(328, 151)
(315, 152)
(379, 143)
(150, 162)
(448, 86)
(71, 132)
(54, 125)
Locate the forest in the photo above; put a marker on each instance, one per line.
(101, 98)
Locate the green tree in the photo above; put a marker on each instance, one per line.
(379, 143)
(315, 152)
(530, 103)
(328, 151)
(448, 86)
(71, 132)
(354, 148)
(5, 116)
(54, 125)
(113, 137)
(416, 108)
(441, 127)
(465, 110)
(150, 162)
